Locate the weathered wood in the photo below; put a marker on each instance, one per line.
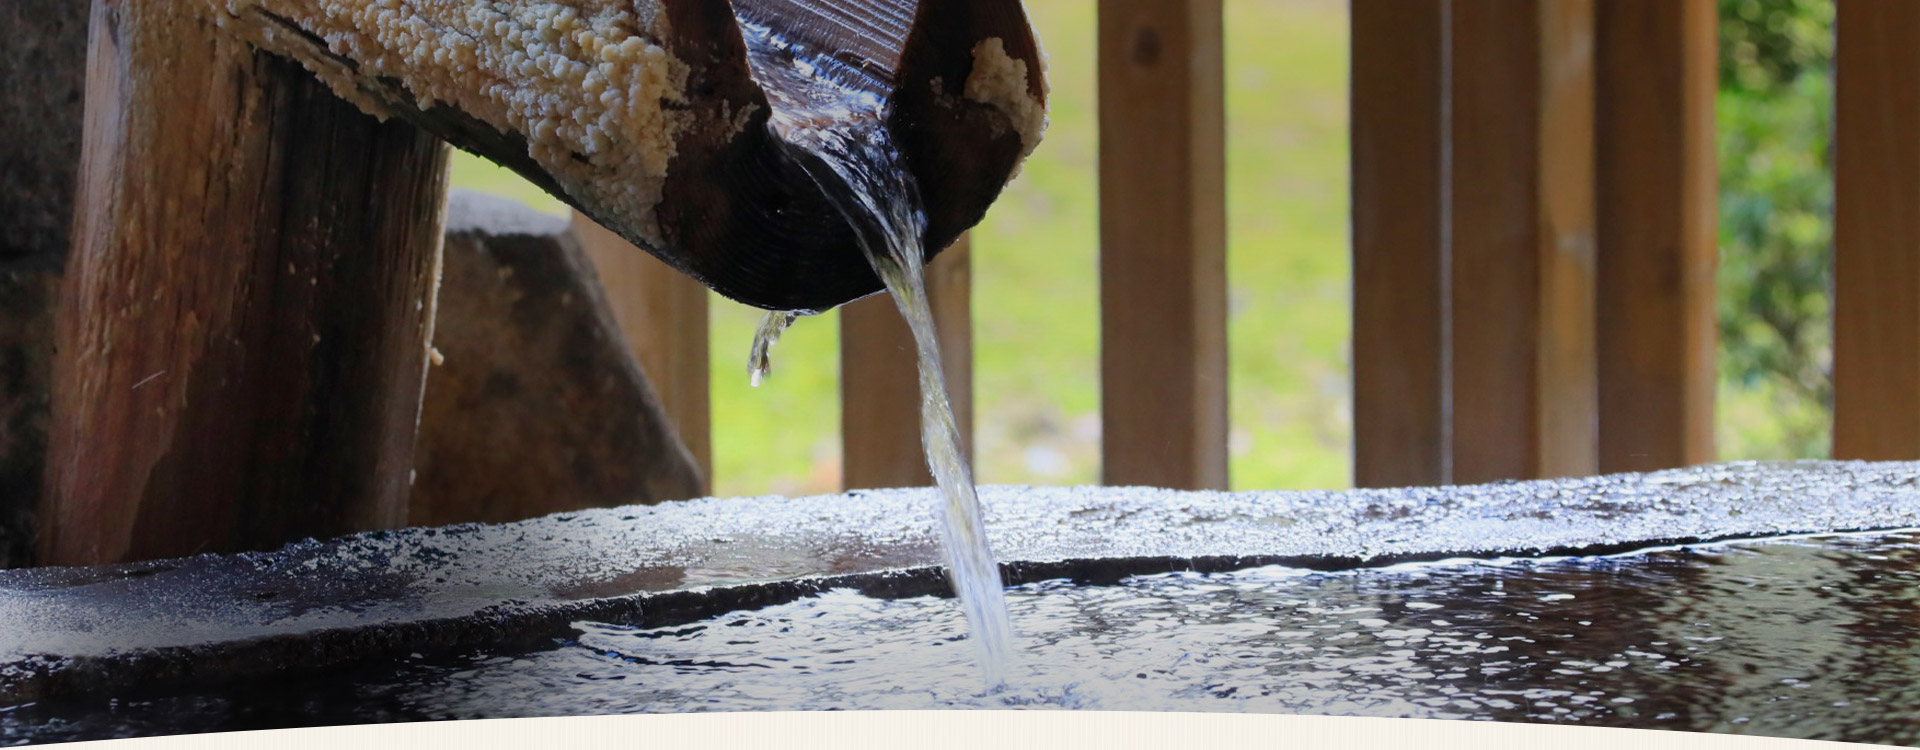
(1521, 249)
(663, 316)
(1399, 305)
(880, 380)
(1876, 319)
(647, 116)
(242, 332)
(536, 404)
(1657, 203)
(1163, 226)
(43, 57)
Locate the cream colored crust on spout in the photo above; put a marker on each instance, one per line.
(581, 77)
(1000, 81)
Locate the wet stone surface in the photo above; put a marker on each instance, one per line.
(1804, 637)
(712, 605)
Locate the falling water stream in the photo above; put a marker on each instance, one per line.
(1813, 637)
(840, 131)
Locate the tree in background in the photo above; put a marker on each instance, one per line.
(1775, 111)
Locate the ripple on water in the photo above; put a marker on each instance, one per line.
(1815, 638)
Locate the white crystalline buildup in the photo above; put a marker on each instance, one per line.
(584, 80)
(1000, 81)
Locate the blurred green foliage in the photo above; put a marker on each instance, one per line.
(1776, 203)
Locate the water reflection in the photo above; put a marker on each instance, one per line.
(1811, 638)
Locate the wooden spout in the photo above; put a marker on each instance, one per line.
(646, 115)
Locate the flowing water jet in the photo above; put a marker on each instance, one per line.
(724, 139)
(760, 357)
(827, 112)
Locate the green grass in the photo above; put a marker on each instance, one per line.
(1036, 304)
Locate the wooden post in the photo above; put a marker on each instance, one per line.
(1657, 207)
(663, 315)
(1163, 353)
(1876, 348)
(880, 381)
(1521, 204)
(1399, 306)
(243, 331)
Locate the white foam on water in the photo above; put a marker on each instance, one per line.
(849, 151)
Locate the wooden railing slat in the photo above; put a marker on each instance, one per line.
(1399, 405)
(663, 315)
(1655, 79)
(1163, 354)
(1521, 247)
(880, 382)
(1876, 348)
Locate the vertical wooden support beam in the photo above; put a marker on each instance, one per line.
(663, 315)
(1876, 348)
(1163, 226)
(880, 381)
(1657, 207)
(1521, 205)
(1399, 308)
(243, 331)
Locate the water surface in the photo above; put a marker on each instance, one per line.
(1815, 637)
(828, 111)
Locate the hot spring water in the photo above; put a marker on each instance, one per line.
(850, 152)
(1812, 637)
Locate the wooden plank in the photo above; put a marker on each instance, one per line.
(663, 315)
(242, 335)
(1399, 309)
(1163, 354)
(1521, 248)
(1654, 63)
(1876, 347)
(880, 382)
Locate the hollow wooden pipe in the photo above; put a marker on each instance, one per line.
(646, 115)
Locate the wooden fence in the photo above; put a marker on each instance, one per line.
(1534, 249)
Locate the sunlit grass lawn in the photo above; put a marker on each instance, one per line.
(1036, 313)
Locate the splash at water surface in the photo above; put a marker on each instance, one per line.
(840, 130)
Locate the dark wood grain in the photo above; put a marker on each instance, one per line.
(1876, 318)
(1399, 388)
(1657, 207)
(243, 327)
(738, 211)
